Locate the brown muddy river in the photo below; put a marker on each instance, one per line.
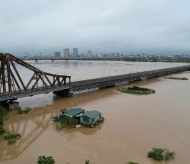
(133, 125)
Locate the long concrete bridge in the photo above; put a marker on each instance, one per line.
(13, 87)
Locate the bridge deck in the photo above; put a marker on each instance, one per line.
(32, 92)
(96, 83)
(126, 78)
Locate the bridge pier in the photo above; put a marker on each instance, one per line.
(63, 93)
(10, 105)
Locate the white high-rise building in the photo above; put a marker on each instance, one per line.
(66, 52)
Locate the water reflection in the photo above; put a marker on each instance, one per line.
(33, 125)
(71, 134)
(79, 99)
(30, 127)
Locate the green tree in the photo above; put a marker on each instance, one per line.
(160, 154)
(46, 160)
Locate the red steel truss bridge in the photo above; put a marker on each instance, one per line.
(14, 84)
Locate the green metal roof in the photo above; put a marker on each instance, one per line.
(92, 114)
(73, 112)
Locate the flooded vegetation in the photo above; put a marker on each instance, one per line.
(177, 78)
(133, 124)
(137, 90)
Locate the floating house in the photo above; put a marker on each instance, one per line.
(75, 112)
(91, 118)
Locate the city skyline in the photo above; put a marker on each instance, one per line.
(124, 26)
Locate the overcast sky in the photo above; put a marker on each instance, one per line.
(103, 26)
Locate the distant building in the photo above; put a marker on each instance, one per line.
(66, 52)
(57, 54)
(89, 53)
(112, 54)
(75, 52)
(106, 55)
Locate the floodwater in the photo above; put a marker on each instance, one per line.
(133, 125)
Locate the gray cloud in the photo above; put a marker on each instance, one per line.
(124, 26)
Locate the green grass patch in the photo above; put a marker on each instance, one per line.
(137, 91)
(160, 154)
(177, 78)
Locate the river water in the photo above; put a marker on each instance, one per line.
(133, 124)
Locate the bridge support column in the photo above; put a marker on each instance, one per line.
(10, 105)
(63, 93)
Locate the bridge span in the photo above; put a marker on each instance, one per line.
(13, 87)
(123, 79)
(13, 84)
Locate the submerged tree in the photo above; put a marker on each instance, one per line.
(46, 160)
(160, 154)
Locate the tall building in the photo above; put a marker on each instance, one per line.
(57, 54)
(75, 52)
(66, 52)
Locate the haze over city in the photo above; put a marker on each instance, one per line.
(123, 26)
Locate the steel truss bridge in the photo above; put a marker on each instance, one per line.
(12, 85)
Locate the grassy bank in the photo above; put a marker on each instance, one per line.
(177, 78)
(137, 91)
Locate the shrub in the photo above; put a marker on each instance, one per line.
(11, 138)
(161, 154)
(46, 160)
(58, 126)
(12, 141)
(69, 121)
(27, 110)
(87, 161)
(20, 110)
(24, 111)
(3, 112)
(169, 155)
(1, 121)
(132, 163)
(2, 130)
